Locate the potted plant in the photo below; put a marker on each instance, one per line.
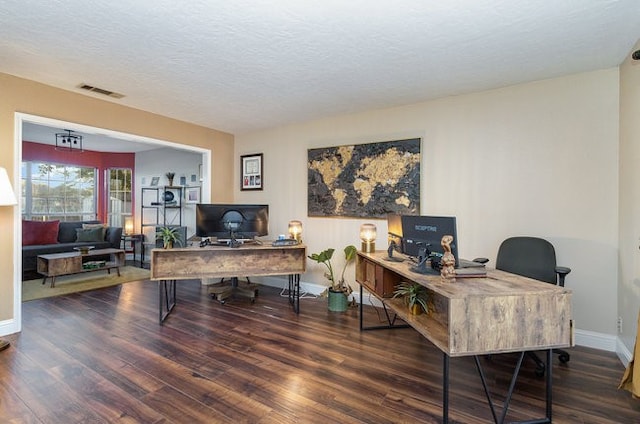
(170, 176)
(415, 296)
(169, 236)
(339, 291)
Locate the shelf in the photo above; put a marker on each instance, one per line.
(155, 212)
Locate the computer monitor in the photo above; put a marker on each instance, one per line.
(394, 232)
(210, 222)
(426, 232)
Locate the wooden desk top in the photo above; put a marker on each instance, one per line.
(248, 260)
(501, 312)
(495, 283)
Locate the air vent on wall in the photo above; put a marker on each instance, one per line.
(100, 91)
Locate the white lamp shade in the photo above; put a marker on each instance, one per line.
(295, 229)
(128, 225)
(368, 232)
(7, 197)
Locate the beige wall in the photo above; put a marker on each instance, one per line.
(629, 296)
(19, 95)
(536, 159)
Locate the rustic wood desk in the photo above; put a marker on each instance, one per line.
(248, 260)
(499, 313)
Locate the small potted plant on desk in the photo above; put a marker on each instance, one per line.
(415, 296)
(169, 236)
(339, 291)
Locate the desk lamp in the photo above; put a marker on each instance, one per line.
(7, 198)
(368, 237)
(295, 230)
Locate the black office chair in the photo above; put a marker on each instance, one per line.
(534, 258)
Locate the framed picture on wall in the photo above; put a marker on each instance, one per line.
(155, 181)
(251, 172)
(192, 195)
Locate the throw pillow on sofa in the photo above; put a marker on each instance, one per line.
(89, 234)
(39, 232)
(86, 226)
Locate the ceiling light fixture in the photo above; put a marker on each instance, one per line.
(69, 142)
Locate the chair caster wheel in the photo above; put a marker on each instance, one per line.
(539, 371)
(564, 357)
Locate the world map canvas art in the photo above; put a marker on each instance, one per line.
(365, 180)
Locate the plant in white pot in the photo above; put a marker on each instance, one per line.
(339, 291)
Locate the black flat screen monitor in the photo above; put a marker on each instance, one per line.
(210, 222)
(427, 232)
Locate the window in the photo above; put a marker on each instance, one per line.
(119, 195)
(53, 191)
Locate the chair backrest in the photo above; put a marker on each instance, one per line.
(528, 256)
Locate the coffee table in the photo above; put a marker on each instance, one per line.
(67, 263)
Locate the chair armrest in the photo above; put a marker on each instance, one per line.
(114, 236)
(562, 272)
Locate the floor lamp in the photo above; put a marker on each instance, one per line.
(7, 198)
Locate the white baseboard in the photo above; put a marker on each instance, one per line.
(596, 340)
(317, 289)
(8, 326)
(623, 352)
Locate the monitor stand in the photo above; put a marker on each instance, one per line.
(423, 259)
(422, 268)
(392, 246)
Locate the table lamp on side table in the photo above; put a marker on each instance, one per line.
(128, 225)
(7, 198)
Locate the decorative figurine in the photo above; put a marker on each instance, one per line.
(448, 270)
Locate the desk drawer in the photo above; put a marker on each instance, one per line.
(378, 280)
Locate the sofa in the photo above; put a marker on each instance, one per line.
(44, 237)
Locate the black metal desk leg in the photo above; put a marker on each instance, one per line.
(360, 307)
(391, 321)
(549, 383)
(166, 298)
(445, 389)
(294, 292)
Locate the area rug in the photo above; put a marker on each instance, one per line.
(34, 289)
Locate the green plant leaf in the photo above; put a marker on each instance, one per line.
(350, 253)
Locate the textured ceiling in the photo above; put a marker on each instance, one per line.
(244, 65)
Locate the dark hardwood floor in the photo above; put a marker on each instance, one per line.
(101, 356)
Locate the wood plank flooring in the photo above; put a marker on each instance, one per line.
(102, 357)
